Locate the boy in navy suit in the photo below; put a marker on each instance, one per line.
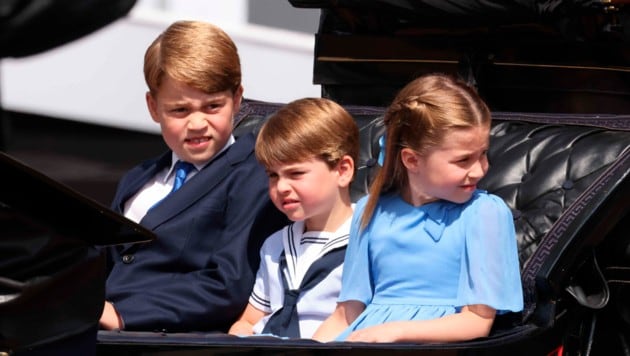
(210, 213)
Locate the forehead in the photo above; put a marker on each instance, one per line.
(284, 166)
(172, 89)
(466, 139)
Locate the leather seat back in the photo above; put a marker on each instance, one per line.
(545, 166)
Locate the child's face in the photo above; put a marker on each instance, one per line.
(194, 124)
(449, 171)
(311, 191)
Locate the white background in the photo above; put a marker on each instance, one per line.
(98, 78)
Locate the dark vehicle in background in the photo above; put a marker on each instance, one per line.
(556, 75)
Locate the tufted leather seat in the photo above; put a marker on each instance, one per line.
(547, 167)
(565, 177)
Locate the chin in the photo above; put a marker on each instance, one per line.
(461, 199)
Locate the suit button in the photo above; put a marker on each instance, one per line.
(127, 259)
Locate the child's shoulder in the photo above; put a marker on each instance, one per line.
(147, 165)
(481, 196)
(360, 204)
(275, 240)
(482, 201)
(382, 199)
(276, 237)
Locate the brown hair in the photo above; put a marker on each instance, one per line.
(197, 53)
(418, 118)
(305, 128)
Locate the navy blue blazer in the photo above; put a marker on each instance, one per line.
(198, 274)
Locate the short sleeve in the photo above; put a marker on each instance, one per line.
(490, 269)
(260, 297)
(356, 281)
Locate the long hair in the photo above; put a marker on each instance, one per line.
(418, 118)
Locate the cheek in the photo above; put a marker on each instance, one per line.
(274, 191)
(271, 188)
(484, 166)
(275, 197)
(170, 128)
(326, 188)
(222, 122)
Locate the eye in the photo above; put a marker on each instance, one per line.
(214, 106)
(297, 174)
(272, 175)
(178, 110)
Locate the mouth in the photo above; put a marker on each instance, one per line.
(289, 203)
(197, 140)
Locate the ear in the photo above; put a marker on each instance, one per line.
(410, 159)
(238, 98)
(152, 106)
(345, 169)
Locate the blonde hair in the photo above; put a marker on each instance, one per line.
(419, 118)
(196, 53)
(306, 128)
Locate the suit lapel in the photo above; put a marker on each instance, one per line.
(200, 185)
(151, 169)
(139, 181)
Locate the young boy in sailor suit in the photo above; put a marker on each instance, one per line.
(308, 148)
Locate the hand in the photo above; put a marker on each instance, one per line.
(245, 324)
(472, 322)
(241, 328)
(110, 320)
(388, 332)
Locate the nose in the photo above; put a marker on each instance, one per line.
(479, 169)
(197, 121)
(282, 185)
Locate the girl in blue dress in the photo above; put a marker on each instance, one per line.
(431, 258)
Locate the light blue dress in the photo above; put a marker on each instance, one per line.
(419, 263)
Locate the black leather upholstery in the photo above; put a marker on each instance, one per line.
(542, 165)
(564, 176)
